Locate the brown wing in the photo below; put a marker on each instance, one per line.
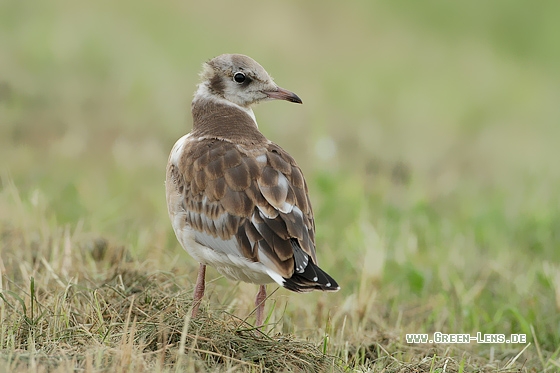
(257, 196)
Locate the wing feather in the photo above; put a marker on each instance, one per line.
(255, 201)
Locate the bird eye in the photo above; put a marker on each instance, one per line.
(239, 77)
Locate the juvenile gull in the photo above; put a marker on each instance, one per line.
(237, 201)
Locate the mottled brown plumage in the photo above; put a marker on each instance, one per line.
(218, 179)
(237, 201)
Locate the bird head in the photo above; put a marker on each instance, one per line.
(242, 81)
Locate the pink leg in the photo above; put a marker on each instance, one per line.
(198, 289)
(259, 304)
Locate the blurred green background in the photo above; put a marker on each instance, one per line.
(429, 136)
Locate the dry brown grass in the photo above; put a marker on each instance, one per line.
(125, 319)
(113, 314)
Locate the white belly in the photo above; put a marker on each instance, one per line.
(228, 263)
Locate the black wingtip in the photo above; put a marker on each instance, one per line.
(312, 278)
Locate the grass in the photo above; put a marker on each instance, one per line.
(428, 137)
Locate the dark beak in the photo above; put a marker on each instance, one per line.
(283, 94)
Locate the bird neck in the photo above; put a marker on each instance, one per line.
(205, 93)
(216, 117)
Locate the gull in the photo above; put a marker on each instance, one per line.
(237, 201)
